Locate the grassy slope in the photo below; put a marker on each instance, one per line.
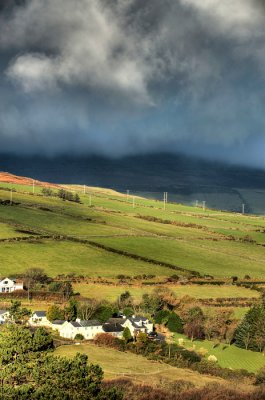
(227, 356)
(118, 364)
(113, 221)
(201, 292)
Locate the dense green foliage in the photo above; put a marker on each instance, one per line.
(29, 371)
(250, 334)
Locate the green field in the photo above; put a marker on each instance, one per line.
(111, 292)
(117, 364)
(227, 356)
(185, 237)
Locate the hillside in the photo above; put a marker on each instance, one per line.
(105, 235)
(186, 179)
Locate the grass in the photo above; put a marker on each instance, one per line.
(65, 257)
(228, 356)
(111, 292)
(220, 259)
(195, 240)
(118, 364)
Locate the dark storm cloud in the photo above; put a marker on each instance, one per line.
(129, 76)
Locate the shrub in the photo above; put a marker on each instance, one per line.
(79, 336)
(175, 323)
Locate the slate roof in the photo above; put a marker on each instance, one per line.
(110, 328)
(40, 314)
(84, 324)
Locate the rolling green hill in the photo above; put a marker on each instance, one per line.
(106, 236)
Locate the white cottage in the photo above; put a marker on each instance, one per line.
(39, 318)
(8, 285)
(88, 329)
(138, 324)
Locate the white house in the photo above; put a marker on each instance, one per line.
(138, 324)
(4, 316)
(57, 325)
(8, 285)
(113, 329)
(88, 329)
(39, 318)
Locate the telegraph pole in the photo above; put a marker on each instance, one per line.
(165, 199)
(11, 196)
(243, 208)
(196, 204)
(84, 189)
(127, 194)
(203, 205)
(133, 201)
(90, 200)
(33, 186)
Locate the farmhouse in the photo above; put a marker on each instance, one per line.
(138, 324)
(39, 318)
(8, 285)
(88, 329)
(57, 325)
(4, 316)
(115, 329)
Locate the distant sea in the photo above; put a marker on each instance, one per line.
(186, 179)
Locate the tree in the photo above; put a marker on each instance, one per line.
(250, 331)
(128, 312)
(36, 275)
(175, 323)
(41, 340)
(47, 192)
(104, 312)
(17, 312)
(70, 311)
(87, 308)
(142, 337)
(30, 372)
(193, 327)
(127, 335)
(244, 335)
(54, 312)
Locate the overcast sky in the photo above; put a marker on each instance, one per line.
(119, 77)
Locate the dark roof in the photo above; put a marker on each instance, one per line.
(58, 322)
(84, 324)
(40, 313)
(112, 328)
(138, 319)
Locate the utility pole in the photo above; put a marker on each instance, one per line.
(84, 189)
(164, 200)
(133, 201)
(33, 186)
(243, 208)
(196, 204)
(203, 205)
(90, 200)
(11, 196)
(127, 195)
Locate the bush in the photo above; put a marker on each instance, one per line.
(105, 339)
(79, 336)
(175, 323)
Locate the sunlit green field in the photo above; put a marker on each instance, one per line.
(118, 364)
(191, 239)
(227, 356)
(111, 292)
